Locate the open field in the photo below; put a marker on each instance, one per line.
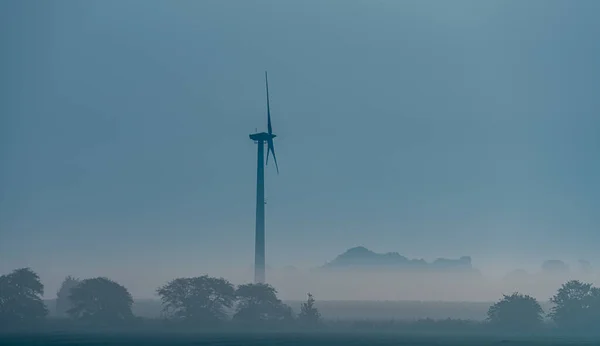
(281, 339)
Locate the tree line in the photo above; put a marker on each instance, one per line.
(211, 302)
(202, 301)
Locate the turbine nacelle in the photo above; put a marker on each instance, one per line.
(262, 136)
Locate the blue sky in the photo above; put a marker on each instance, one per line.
(429, 128)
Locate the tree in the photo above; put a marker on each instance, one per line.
(63, 302)
(516, 312)
(21, 298)
(202, 299)
(309, 314)
(258, 303)
(576, 306)
(100, 301)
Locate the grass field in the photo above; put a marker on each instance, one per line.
(280, 339)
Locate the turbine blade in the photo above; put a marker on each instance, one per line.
(270, 129)
(268, 150)
(272, 150)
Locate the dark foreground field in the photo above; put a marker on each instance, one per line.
(280, 339)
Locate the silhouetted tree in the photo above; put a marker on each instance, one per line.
(576, 306)
(100, 301)
(21, 298)
(516, 312)
(201, 299)
(63, 302)
(258, 303)
(309, 315)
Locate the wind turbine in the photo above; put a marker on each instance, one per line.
(260, 139)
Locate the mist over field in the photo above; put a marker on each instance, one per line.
(367, 284)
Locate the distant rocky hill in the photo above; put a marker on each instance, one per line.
(361, 257)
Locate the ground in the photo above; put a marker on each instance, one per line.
(280, 339)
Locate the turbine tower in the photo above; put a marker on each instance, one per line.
(260, 139)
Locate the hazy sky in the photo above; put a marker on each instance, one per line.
(430, 128)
